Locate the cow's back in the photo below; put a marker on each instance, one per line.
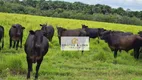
(93, 33)
(71, 33)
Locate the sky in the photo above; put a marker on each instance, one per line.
(134, 5)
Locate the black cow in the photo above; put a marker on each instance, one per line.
(16, 35)
(49, 30)
(73, 32)
(36, 47)
(93, 32)
(2, 36)
(122, 41)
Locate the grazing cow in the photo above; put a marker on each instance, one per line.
(16, 35)
(49, 30)
(73, 32)
(1, 36)
(93, 32)
(122, 41)
(36, 47)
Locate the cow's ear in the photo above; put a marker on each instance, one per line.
(32, 32)
(41, 25)
(64, 29)
(23, 27)
(13, 26)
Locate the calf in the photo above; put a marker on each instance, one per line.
(36, 47)
(49, 30)
(16, 35)
(1, 36)
(122, 41)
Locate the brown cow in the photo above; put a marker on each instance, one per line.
(73, 32)
(16, 35)
(122, 41)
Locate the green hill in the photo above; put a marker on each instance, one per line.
(96, 64)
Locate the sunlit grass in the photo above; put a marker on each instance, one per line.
(96, 64)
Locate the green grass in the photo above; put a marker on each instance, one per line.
(96, 64)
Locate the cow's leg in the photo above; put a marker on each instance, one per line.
(51, 39)
(17, 45)
(37, 67)
(29, 61)
(14, 44)
(2, 42)
(136, 53)
(21, 43)
(59, 40)
(10, 41)
(98, 40)
(115, 53)
(82, 52)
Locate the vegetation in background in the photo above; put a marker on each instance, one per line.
(76, 10)
(96, 64)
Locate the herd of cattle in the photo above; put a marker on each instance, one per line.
(36, 45)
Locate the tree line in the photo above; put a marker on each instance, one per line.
(76, 10)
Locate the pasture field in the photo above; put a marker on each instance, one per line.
(96, 64)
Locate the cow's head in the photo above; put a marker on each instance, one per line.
(19, 29)
(100, 31)
(38, 38)
(104, 35)
(60, 30)
(44, 27)
(84, 26)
